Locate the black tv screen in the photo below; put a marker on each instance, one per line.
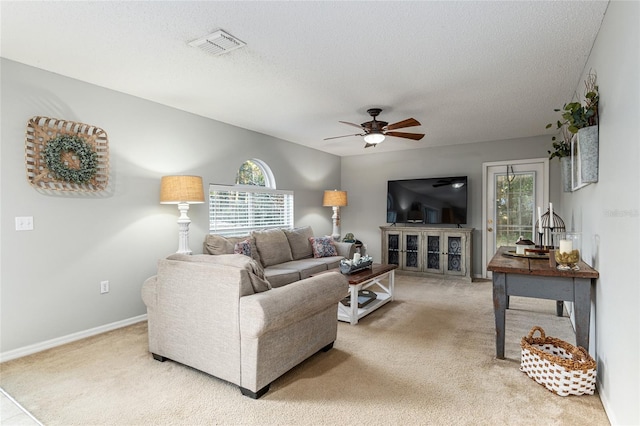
(427, 200)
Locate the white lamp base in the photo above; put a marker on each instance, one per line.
(336, 223)
(183, 229)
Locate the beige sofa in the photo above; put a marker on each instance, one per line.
(216, 314)
(287, 255)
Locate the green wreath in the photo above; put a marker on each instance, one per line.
(87, 156)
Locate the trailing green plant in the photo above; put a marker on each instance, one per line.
(575, 114)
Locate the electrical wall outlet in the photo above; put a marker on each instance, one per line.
(24, 223)
(104, 287)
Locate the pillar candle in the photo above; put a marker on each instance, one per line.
(551, 222)
(566, 246)
(356, 257)
(539, 220)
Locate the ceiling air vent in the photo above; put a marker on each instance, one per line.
(218, 43)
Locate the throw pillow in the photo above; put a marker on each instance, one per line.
(323, 246)
(299, 242)
(273, 246)
(217, 244)
(243, 247)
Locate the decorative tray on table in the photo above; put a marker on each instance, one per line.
(349, 266)
(529, 254)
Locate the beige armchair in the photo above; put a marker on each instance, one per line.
(213, 313)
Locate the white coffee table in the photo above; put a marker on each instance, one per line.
(362, 280)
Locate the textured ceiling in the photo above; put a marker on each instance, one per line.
(468, 71)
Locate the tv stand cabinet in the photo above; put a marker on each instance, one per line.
(425, 250)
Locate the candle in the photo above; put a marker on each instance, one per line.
(566, 246)
(539, 220)
(551, 215)
(356, 257)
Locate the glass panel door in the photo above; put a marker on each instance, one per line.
(511, 191)
(514, 207)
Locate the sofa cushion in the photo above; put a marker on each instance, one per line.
(323, 246)
(279, 277)
(299, 242)
(330, 262)
(273, 246)
(256, 274)
(306, 267)
(217, 244)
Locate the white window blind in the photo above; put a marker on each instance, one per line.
(237, 210)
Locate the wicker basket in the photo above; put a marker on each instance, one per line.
(562, 368)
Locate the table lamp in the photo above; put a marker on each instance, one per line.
(182, 190)
(335, 199)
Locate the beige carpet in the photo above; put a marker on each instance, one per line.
(426, 358)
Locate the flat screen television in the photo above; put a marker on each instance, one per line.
(427, 200)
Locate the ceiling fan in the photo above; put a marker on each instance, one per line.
(375, 131)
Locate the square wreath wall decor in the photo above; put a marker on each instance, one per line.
(66, 156)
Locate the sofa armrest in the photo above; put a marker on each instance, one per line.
(346, 250)
(281, 306)
(149, 292)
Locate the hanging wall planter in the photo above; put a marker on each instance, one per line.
(565, 173)
(588, 147)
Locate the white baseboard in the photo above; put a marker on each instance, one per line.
(48, 344)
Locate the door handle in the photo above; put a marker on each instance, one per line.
(490, 229)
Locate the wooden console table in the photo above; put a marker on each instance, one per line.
(519, 276)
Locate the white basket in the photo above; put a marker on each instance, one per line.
(562, 368)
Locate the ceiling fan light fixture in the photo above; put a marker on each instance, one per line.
(374, 138)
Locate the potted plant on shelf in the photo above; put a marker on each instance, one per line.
(581, 120)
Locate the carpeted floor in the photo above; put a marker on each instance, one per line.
(426, 358)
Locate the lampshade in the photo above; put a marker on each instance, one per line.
(374, 138)
(181, 189)
(334, 198)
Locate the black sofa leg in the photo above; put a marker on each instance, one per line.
(327, 348)
(255, 395)
(159, 357)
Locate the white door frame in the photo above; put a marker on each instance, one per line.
(485, 181)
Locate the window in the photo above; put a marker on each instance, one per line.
(253, 203)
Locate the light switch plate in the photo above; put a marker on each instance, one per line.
(24, 223)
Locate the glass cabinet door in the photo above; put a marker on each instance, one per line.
(393, 249)
(412, 253)
(434, 253)
(455, 253)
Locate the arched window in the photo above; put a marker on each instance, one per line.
(255, 172)
(252, 203)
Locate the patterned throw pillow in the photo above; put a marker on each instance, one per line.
(243, 247)
(323, 246)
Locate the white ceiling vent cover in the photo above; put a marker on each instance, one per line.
(218, 43)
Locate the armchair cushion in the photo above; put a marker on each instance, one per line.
(255, 270)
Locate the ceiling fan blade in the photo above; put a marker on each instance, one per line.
(414, 136)
(351, 124)
(368, 145)
(409, 122)
(345, 136)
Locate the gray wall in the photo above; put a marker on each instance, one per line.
(608, 212)
(365, 178)
(50, 276)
